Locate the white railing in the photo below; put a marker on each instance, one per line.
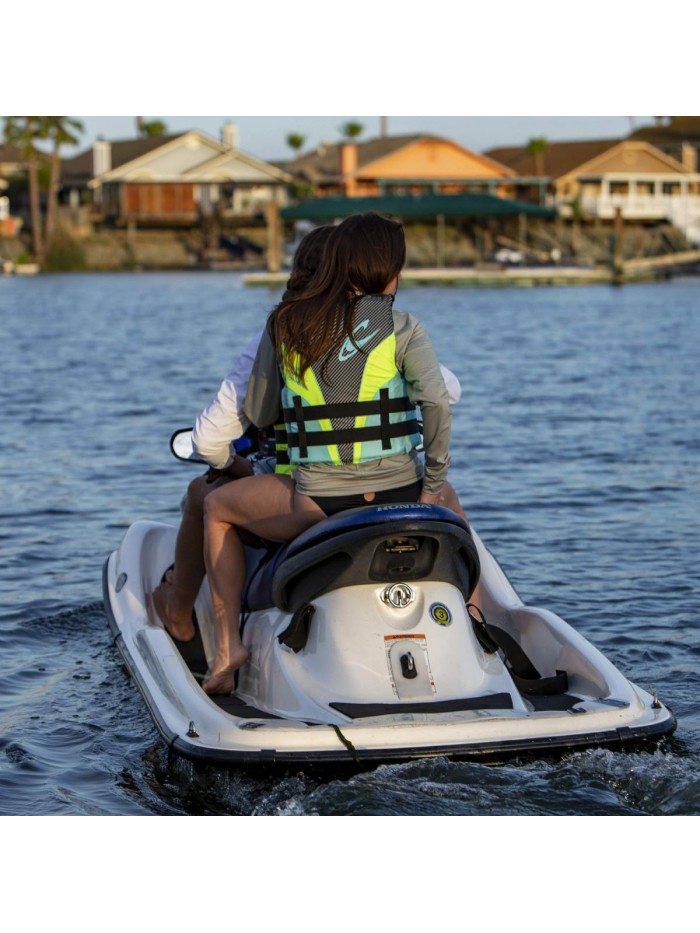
(680, 210)
(683, 211)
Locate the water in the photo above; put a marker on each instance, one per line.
(575, 454)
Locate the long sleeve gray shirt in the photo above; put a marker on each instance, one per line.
(416, 360)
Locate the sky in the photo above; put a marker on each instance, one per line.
(265, 136)
(262, 69)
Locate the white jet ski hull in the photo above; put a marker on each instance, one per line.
(361, 679)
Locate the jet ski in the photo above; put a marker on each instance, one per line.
(384, 633)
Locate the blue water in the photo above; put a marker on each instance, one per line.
(575, 453)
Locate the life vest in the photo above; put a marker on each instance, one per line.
(281, 448)
(353, 405)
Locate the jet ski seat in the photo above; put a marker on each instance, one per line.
(383, 544)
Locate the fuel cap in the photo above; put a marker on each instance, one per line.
(399, 595)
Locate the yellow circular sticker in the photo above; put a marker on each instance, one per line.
(440, 614)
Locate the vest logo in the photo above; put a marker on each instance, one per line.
(348, 349)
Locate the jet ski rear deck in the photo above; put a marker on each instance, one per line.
(370, 639)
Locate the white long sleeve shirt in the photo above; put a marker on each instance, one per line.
(223, 420)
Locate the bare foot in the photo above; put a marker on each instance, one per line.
(176, 622)
(223, 679)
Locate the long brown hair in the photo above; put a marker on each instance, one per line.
(361, 256)
(307, 259)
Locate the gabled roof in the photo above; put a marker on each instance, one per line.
(322, 164)
(238, 166)
(169, 161)
(559, 158)
(679, 130)
(192, 156)
(78, 170)
(635, 155)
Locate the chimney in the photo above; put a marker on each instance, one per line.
(229, 135)
(348, 167)
(101, 157)
(348, 158)
(689, 157)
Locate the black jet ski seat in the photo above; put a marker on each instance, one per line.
(372, 544)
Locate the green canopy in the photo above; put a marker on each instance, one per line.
(410, 206)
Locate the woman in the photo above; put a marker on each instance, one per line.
(221, 423)
(349, 371)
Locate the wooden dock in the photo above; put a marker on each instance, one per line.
(638, 270)
(671, 261)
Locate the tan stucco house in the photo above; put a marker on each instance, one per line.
(594, 178)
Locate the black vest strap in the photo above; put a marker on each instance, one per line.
(382, 405)
(299, 415)
(349, 435)
(384, 421)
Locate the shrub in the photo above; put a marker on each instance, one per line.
(64, 254)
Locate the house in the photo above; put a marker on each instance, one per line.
(397, 165)
(676, 136)
(594, 178)
(173, 180)
(12, 163)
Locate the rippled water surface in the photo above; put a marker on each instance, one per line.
(575, 452)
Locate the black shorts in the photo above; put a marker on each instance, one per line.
(333, 504)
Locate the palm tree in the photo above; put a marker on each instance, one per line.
(537, 147)
(60, 130)
(23, 132)
(352, 130)
(295, 141)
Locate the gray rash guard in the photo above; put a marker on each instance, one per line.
(416, 360)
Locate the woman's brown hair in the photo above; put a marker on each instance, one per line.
(307, 259)
(361, 256)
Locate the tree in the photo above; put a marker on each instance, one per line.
(60, 130)
(295, 141)
(151, 127)
(24, 132)
(351, 130)
(537, 147)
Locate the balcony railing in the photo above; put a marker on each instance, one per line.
(678, 209)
